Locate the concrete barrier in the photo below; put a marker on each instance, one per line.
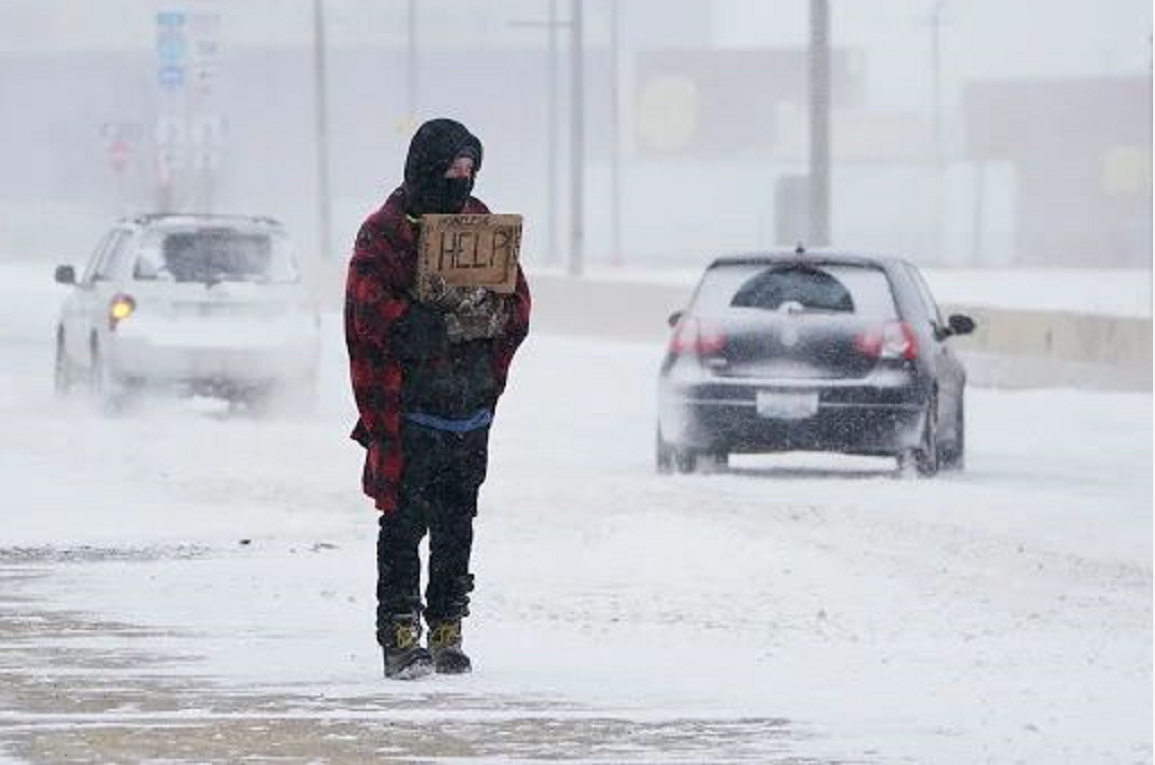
(1056, 348)
(1064, 336)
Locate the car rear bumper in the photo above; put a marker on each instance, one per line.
(211, 368)
(882, 417)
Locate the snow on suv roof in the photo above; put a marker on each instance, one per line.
(164, 220)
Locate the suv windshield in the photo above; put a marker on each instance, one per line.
(212, 255)
(827, 288)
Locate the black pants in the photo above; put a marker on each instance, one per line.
(440, 478)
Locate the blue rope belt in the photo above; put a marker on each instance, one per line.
(479, 419)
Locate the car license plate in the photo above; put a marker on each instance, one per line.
(786, 405)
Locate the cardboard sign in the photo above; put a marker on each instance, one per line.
(469, 250)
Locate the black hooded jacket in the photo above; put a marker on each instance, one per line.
(445, 381)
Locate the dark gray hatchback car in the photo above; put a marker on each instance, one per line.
(810, 351)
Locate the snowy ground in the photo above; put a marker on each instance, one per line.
(185, 585)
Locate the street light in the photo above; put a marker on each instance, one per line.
(577, 139)
(615, 137)
(324, 224)
(577, 142)
(551, 25)
(411, 67)
(819, 185)
(936, 122)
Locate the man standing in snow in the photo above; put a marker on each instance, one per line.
(426, 377)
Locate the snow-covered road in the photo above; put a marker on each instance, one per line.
(184, 584)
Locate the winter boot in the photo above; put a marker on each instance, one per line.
(445, 646)
(405, 657)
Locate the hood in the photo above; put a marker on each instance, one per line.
(434, 147)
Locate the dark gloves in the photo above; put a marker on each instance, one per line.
(420, 333)
(440, 295)
(481, 315)
(471, 313)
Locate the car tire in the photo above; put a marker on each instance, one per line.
(923, 459)
(926, 456)
(952, 456)
(663, 454)
(109, 396)
(63, 375)
(97, 374)
(685, 460)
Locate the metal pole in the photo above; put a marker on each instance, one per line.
(980, 183)
(553, 247)
(324, 226)
(819, 184)
(577, 140)
(936, 80)
(936, 127)
(411, 67)
(615, 138)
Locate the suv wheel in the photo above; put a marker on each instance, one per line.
(63, 375)
(110, 396)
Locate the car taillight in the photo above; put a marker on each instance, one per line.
(893, 340)
(120, 309)
(694, 337)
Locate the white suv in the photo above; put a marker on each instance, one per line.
(203, 304)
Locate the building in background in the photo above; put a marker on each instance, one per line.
(1081, 154)
(1042, 156)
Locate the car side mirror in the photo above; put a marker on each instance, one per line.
(65, 275)
(674, 318)
(960, 324)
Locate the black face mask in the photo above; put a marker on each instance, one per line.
(440, 197)
(455, 193)
(443, 196)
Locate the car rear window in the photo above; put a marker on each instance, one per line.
(215, 255)
(797, 288)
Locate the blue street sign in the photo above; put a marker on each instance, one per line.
(170, 77)
(170, 19)
(171, 47)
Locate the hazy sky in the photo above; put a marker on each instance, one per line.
(979, 38)
(1031, 36)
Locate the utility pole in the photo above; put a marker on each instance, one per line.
(577, 142)
(819, 182)
(936, 80)
(411, 67)
(615, 137)
(552, 25)
(551, 137)
(936, 128)
(324, 224)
